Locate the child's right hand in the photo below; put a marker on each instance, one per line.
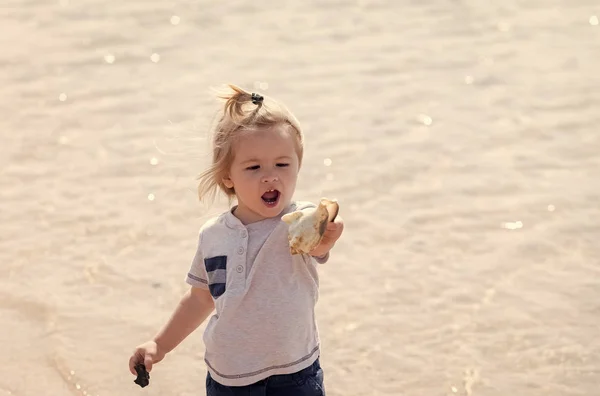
(148, 353)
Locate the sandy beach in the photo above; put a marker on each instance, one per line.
(461, 138)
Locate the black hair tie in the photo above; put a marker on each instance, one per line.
(257, 99)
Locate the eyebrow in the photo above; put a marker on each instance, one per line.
(257, 160)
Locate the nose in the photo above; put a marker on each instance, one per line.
(270, 178)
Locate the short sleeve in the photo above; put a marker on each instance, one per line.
(196, 276)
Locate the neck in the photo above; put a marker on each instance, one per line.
(247, 216)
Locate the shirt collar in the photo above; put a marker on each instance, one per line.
(234, 222)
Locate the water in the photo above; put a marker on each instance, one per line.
(460, 137)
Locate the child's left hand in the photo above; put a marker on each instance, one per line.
(332, 234)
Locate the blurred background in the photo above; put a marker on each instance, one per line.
(461, 138)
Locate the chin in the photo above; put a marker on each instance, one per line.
(273, 211)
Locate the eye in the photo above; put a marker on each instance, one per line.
(253, 167)
(282, 164)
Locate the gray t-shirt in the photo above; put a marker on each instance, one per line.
(264, 321)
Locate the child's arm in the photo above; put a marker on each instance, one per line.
(193, 309)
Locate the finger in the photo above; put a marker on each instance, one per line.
(132, 362)
(335, 229)
(332, 226)
(148, 363)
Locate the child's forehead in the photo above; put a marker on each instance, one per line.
(277, 131)
(264, 143)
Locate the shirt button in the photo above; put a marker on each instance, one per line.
(240, 250)
(244, 233)
(239, 268)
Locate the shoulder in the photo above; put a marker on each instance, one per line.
(216, 236)
(214, 224)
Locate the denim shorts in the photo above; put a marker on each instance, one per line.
(307, 382)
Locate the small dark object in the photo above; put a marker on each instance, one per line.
(143, 378)
(257, 99)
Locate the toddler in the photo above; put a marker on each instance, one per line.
(262, 338)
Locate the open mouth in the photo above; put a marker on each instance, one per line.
(271, 198)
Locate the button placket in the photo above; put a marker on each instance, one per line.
(241, 250)
(237, 270)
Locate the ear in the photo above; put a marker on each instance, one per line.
(227, 182)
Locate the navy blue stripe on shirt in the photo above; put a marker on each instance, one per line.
(215, 263)
(216, 289)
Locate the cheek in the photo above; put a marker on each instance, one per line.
(244, 180)
(291, 175)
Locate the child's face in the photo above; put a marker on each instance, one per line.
(263, 173)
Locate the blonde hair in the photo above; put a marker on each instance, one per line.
(242, 112)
